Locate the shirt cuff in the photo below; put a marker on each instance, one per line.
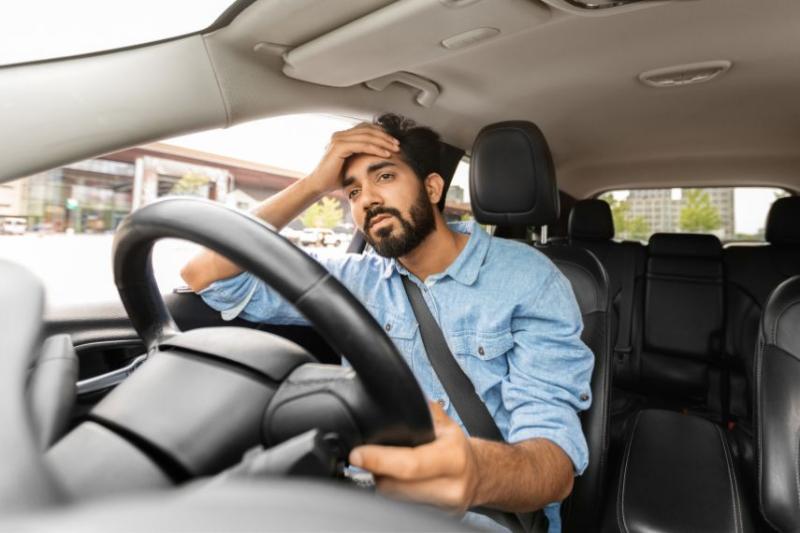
(576, 453)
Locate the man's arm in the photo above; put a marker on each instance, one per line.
(458, 472)
(280, 209)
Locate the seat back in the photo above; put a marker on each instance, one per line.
(753, 272)
(683, 313)
(512, 185)
(777, 397)
(591, 227)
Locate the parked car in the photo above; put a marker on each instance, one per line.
(14, 226)
(311, 237)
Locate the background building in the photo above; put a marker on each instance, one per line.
(661, 209)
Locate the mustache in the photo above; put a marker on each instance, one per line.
(372, 213)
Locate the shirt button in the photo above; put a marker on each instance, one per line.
(441, 403)
(481, 351)
(388, 327)
(584, 397)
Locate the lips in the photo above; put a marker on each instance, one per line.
(378, 219)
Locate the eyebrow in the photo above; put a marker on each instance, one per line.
(374, 167)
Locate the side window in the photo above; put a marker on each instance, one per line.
(730, 213)
(457, 206)
(60, 223)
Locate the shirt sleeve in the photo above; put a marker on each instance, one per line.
(246, 296)
(550, 369)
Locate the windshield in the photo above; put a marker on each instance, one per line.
(45, 29)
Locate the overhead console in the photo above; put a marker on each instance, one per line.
(406, 33)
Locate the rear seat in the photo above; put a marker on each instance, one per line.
(696, 311)
(675, 331)
(683, 315)
(591, 226)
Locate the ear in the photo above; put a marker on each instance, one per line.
(434, 186)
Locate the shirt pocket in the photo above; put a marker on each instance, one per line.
(401, 330)
(483, 357)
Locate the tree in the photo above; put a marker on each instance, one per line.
(698, 214)
(625, 226)
(327, 213)
(190, 184)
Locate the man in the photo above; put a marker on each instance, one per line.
(509, 315)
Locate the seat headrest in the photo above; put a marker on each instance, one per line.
(701, 246)
(591, 220)
(512, 179)
(783, 221)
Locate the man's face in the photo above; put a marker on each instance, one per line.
(389, 203)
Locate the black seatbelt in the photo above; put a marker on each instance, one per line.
(465, 400)
(623, 348)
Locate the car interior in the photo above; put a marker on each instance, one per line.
(152, 410)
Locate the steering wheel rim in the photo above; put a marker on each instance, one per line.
(330, 308)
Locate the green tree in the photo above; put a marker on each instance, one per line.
(190, 184)
(327, 213)
(626, 226)
(698, 214)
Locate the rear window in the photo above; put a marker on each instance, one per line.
(730, 213)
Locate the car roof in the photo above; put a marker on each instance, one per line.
(574, 73)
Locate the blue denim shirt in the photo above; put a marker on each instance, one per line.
(508, 314)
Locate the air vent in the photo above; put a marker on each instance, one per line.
(679, 75)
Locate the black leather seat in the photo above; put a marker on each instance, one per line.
(678, 474)
(777, 397)
(683, 316)
(513, 186)
(591, 227)
(752, 273)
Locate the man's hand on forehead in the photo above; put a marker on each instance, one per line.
(361, 139)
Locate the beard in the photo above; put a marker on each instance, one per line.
(412, 232)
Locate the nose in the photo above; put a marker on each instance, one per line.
(370, 197)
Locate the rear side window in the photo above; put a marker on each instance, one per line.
(730, 213)
(457, 206)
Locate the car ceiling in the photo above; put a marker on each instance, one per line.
(573, 75)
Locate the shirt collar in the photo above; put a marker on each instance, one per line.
(467, 265)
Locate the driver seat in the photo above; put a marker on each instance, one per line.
(513, 186)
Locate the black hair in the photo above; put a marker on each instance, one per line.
(420, 146)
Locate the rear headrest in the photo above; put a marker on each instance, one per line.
(511, 176)
(685, 245)
(591, 220)
(783, 221)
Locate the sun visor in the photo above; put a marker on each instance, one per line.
(407, 33)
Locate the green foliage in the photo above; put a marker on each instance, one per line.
(327, 213)
(190, 184)
(625, 225)
(698, 214)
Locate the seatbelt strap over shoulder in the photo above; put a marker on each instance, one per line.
(459, 388)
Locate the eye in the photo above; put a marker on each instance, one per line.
(353, 193)
(385, 176)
